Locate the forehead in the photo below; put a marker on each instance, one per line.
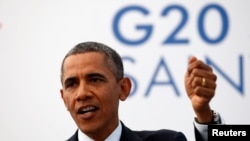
(85, 60)
(88, 62)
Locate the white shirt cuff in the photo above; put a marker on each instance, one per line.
(203, 128)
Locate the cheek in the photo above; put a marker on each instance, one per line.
(111, 102)
(68, 101)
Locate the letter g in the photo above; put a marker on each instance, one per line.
(146, 28)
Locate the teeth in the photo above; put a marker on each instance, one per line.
(88, 109)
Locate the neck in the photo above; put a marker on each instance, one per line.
(102, 134)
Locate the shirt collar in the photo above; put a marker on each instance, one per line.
(114, 136)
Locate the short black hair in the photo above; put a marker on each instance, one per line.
(113, 58)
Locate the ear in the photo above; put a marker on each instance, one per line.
(125, 88)
(64, 99)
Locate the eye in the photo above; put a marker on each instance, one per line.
(70, 83)
(95, 79)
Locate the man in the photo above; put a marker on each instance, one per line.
(93, 83)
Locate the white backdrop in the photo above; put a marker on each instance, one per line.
(36, 34)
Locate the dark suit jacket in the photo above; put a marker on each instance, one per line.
(159, 135)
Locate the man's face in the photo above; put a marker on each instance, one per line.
(91, 93)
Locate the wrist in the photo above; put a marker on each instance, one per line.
(204, 115)
(214, 118)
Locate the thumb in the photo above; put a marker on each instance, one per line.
(192, 59)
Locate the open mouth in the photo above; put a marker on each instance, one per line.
(84, 110)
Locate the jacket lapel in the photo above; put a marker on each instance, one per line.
(128, 135)
(73, 137)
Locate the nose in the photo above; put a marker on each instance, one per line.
(84, 92)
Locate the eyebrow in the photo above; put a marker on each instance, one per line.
(95, 75)
(73, 78)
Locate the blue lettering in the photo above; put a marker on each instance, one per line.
(147, 28)
(171, 82)
(225, 24)
(172, 39)
(240, 86)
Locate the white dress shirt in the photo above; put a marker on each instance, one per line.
(114, 136)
